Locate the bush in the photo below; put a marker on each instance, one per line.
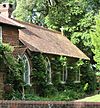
(88, 76)
(66, 95)
(13, 69)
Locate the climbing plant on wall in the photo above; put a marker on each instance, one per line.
(13, 71)
(39, 74)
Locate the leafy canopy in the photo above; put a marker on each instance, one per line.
(96, 42)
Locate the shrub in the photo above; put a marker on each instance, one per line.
(13, 70)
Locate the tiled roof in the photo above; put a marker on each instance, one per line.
(9, 21)
(43, 40)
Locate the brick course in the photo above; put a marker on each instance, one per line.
(48, 104)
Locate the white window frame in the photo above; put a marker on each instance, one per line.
(0, 34)
(64, 74)
(27, 82)
(77, 76)
(48, 71)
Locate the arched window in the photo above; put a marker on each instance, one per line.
(64, 74)
(77, 76)
(48, 70)
(79, 63)
(26, 69)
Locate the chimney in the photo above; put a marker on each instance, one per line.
(6, 9)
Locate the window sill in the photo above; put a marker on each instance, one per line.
(50, 83)
(77, 81)
(28, 84)
(62, 82)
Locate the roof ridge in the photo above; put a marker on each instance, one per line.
(34, 25)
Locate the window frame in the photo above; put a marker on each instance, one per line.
(64, 74)
(26, 61)
(48, 71)
(77, 76)
(0, 34)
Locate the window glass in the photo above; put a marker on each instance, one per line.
(26, 70)
(64, 74)
(77, 76)
(48, 71)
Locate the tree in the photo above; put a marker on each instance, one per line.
(95, 35)
(9, 1)
(32, 11)
(23, 10)
(76, 20)
(75, 17)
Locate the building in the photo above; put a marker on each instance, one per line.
(29, 38)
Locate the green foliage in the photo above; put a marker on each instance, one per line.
(97, 73)
(14, 75)
(39, 77)
(79, 63)
(43, 91)
(86, 86)
(34, 11)
(13, 70)
(63, 60)
(88, 76)
(66, 95)
(6, 48)
(9, 1)
(67, 91)
(76, 17)
(21, 11)
(39, 74)
(63, 14)
(95, 35)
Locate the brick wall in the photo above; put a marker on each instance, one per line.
(10, 35)
(2, 76)
(47, 104)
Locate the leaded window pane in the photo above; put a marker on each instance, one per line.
(26, 70)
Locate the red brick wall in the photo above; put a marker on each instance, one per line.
(10, 35)
(47, 104)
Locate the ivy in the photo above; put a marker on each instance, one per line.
(39, 73)
(13, 71)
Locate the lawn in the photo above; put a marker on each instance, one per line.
(95, 98)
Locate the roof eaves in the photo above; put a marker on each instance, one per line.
(12, 25)
(62, 54)
(33, 48)
(11, 22)
(30, 47)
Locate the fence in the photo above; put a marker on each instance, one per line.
(47, 104)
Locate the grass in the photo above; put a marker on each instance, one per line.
(95, 98)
